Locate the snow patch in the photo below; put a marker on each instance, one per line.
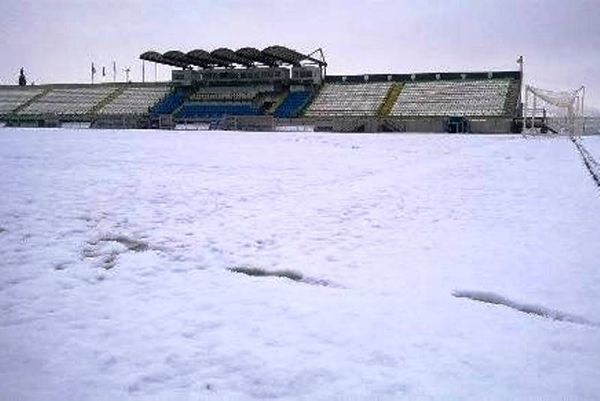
(532, 309)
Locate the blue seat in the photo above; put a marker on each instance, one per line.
(292, 105)
(217, 110)
(169, 104)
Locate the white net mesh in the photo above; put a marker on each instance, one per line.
(560, 112)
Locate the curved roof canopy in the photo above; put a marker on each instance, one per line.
(231, 56)
(284, 54)
(205, 58)
(272, 56)
(290, 56)
(257, 56)
(156, 57)
(177, 57)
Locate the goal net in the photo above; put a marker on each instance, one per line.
(554, 111)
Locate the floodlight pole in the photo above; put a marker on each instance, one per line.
(582, 110)
(533, 112)
(577, 112)
(143, 71)
(521, 61)
(525, 108)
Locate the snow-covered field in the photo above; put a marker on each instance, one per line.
(592, 143)
(115, 247)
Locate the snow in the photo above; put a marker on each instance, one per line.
(592, 144)
(116, 247)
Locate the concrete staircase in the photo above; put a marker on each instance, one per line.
(302, 111)
(32, 100)
(107, 100)
(277, 103)
(389, 100)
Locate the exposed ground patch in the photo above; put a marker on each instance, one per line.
(132, 244)
(532, 309)
(259, 272)
(61, 265)
(107, 249)
(287, 274)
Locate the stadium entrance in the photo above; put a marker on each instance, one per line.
(457, 125)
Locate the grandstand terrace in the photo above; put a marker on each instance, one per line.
(293, 104)
(272, 87)
(230, 93)
(207, 103)
(452, 98)
(77, 101)
(135, 100)
(14, 97)
(347, 99)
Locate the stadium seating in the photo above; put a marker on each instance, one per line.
(12, 98)
(213, 102)
(208, 110)
(453, 98)
(135, 100)
(292, 105)
(229, 93)
(169, 104)
(72, 101)
(349, 99)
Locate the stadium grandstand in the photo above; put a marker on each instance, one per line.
(276, 88)
(14, 97)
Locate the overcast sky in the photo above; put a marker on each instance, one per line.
(57, 40)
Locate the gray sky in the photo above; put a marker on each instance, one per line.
(56, 40)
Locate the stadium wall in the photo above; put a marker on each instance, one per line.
(425, 76)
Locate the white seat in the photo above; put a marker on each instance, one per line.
(349, 99)
(452, 98)
(69, 101)
(135, 100)
(12, 98)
